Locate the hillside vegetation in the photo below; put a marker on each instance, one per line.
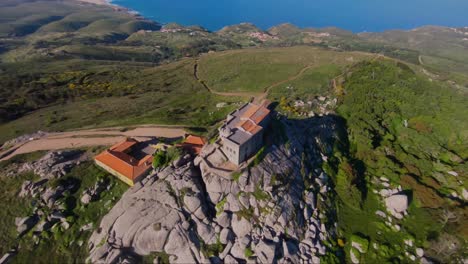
(122, 95)
(254, 70)
(412, 132)
(68, 52)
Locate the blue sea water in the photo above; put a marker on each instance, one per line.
(354, 15)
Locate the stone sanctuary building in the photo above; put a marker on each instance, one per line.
(129, 160)
(242, 133)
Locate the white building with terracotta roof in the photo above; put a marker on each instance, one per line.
(242, 133)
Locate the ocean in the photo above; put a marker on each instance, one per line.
(353, 15)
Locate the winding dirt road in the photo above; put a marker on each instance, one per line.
(257, 96)
(91, 137)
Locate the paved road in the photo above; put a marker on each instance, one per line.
(92, 137)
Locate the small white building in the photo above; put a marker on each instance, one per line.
(242, 133)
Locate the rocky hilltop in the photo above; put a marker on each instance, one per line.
(275, 211)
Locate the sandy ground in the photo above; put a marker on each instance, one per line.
(92, 137)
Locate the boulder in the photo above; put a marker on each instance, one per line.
(177, 245)
(148, 218)
(465, 194)
(44, 226)
(240, 226)
(55, 164)
(226, 236)
(381, 214)
(7, 257)
(245, 241)
(29, 188)
(50, 196)
(237, 251)
(232, 204)
(265, 251)
(192, 202)
(354, 255)
(57, 215)
(244, 200)
(25, 224)
(230, 260)
(359, 243)
(224, 219)
(86, 198)
(65, 225)
(206, 232)
(226, 250)
(397, 203)
(87, 227)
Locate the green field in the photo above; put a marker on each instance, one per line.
(253, 70)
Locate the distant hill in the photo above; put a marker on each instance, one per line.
(56, 32)
(442, 47)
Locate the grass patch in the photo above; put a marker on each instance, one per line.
(211, 250)
(246, 213)
(259, 194)
(163, 258)
(236, 176)
(12, 206)
(248, 252)
(220, 205)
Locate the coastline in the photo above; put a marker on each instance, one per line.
(98, 2)
(109, 3)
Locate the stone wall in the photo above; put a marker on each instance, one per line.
(232, 151)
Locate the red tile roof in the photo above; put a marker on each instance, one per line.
(195, 143)
(123, 146)
(194, 140)
(251, 119)
(249, 126)
(126, 165)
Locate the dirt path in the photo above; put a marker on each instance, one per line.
(267, 90)
(420, 60)
(91, 137)
(240, 94)
(257, 96)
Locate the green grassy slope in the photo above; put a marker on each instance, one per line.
(253, 70)
(378, 98)
(125, 96)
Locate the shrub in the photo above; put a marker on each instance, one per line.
(159, 159)
(163, 158)
(259, 194)
(211, 250)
